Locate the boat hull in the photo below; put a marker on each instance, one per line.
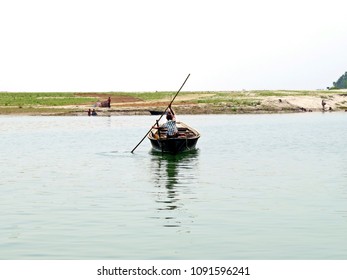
(153, 112)
(174, 145)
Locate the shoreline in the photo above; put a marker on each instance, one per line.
(190, 103)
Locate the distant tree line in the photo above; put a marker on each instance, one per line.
(341, 82)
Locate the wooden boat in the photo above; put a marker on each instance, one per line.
(186, 140)
(153, 112)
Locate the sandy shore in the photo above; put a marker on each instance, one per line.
(185, 105)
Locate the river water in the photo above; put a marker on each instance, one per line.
(258, 187)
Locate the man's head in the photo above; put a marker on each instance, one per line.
(169, 116)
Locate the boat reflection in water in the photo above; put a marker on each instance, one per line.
(173, 177)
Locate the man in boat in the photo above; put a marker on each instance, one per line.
(172, 130)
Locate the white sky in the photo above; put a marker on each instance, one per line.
(148, 45)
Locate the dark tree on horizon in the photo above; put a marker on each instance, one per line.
(341, 82)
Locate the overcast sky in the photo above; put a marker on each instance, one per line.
(148, 45)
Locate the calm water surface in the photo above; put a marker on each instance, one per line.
(258, 187)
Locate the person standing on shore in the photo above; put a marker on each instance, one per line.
(323, 104)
